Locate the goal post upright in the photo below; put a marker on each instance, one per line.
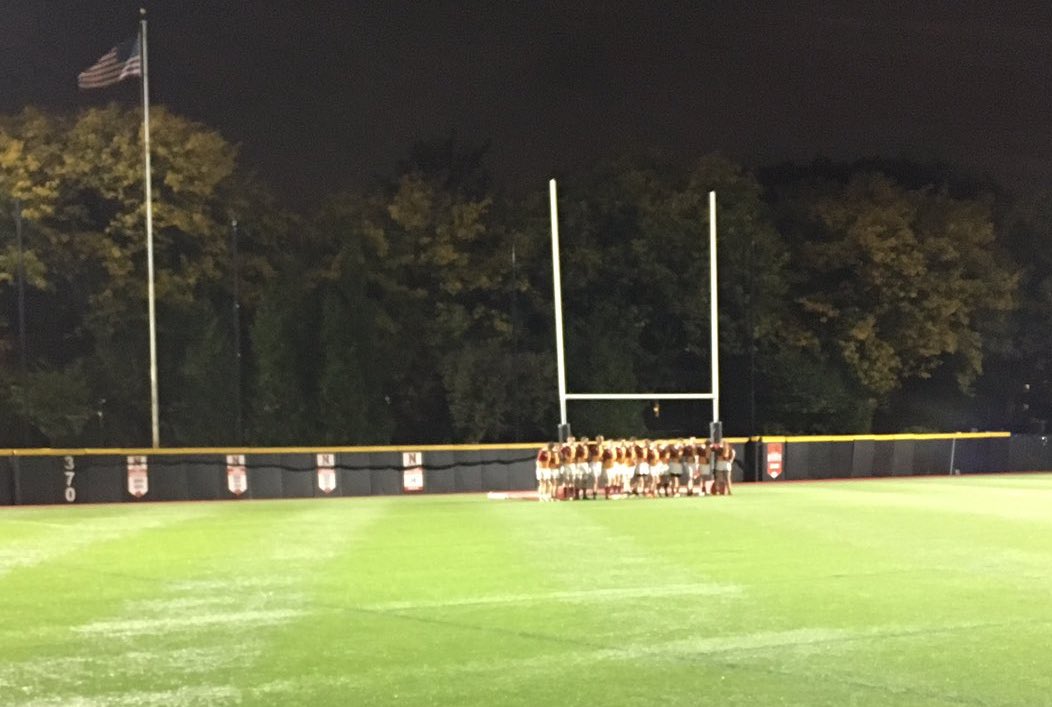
(715, 428)
(558, 295)
(714, 312)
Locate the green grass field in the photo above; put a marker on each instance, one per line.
(908, 592)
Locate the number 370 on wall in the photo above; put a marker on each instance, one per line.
(71, 473)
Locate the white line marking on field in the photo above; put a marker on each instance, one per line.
(568, 596)
(233, 584)
(77, 670)
(743, 642)
(205, 696)
(223, 601)
(135, 627)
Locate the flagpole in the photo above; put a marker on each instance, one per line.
(154, 410)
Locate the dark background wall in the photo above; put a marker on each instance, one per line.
(41, 477)
(906, 455)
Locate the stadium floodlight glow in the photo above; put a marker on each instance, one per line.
(714, 396)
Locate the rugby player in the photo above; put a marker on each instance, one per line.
(674, 452)
(567, 454)
(724, 461)
(544, 471)
(595, 464)
(705, 469)
(620, 466)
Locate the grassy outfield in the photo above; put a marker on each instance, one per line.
(910, 592)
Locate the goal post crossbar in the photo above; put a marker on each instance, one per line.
(639, 396)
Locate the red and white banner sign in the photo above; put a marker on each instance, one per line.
(326, 472)
(138, 478)
(413, 472)
(774, 459)
(236, 476)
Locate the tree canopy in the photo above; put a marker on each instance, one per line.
(418, 308)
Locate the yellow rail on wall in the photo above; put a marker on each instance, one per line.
(883, 438)
(147, 451)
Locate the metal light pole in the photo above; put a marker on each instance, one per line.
(238, 418)
(515, 337)
(752, 333)
(155, 413)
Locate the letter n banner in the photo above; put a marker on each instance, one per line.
(412, 472)
(326, 472)
(774, 453)
(236, 475)
(138, 479)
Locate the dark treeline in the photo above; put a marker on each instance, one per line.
(875, 296)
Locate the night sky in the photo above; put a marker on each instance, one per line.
(326, 93)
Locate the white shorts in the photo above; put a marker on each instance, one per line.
(643, 469)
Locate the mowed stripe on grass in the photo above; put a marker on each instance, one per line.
(919, 591)
(165, 616)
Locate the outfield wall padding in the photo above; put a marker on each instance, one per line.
(469, 472)
(74, 476)
(739, 470)
(898, 456)
(8, 492)
(170, 481)
(931, 457)
(863, 458)
(207, 482)
(1030, 452)
(443, 478)
(40, 480)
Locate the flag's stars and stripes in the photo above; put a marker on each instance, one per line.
(117, 64)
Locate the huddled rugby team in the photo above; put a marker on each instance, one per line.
(579, 469)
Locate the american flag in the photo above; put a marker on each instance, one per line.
(117, 64)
